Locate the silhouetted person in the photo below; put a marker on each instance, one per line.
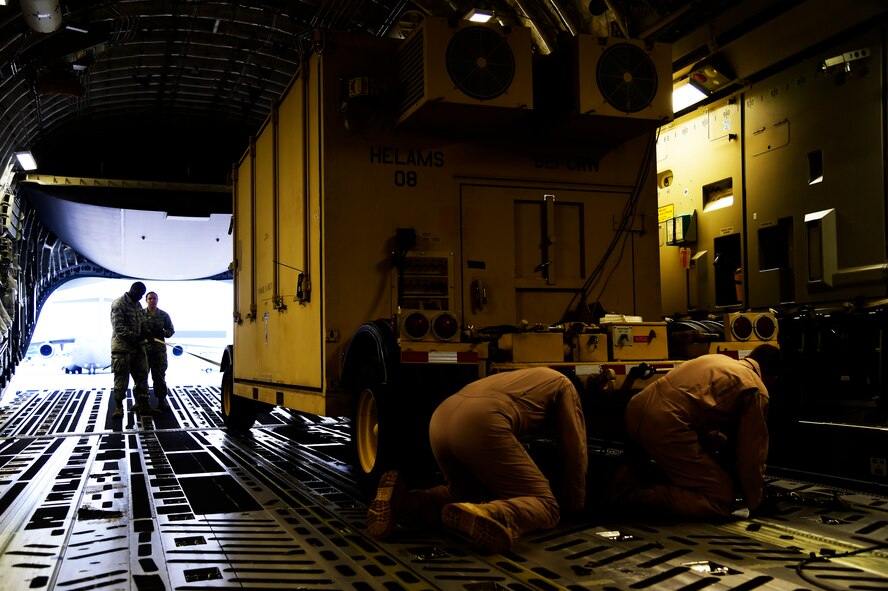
(128, 338)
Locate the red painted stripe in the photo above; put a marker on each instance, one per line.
(414, 357)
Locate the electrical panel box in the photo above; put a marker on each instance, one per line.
(638, 341)
(591, 346)
(423, 281)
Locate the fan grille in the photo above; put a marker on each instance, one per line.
(411, 72)
(480, 63)
(627, 77)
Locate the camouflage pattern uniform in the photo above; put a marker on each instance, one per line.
(128, 350)
(160, 326)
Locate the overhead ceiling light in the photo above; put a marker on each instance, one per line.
(477, 15)
(684, 95)
(845, 59)
(26, 160)
(76, 29)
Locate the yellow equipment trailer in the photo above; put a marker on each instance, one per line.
(406, 198)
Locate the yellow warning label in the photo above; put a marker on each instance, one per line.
(665, 212)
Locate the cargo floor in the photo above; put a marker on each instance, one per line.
(173, 502)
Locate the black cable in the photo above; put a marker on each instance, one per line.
(800, 567)
(621, 231)
(614, 267)
(625, 218)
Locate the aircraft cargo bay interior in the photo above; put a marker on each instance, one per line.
(443, 295)
(176, 503)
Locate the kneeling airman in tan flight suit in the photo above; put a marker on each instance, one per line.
(681, 421)
(494, 491)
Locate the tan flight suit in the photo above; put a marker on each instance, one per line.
(474, 438)
(686, 415)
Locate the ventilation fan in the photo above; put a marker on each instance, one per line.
(480, 63)
(460, 75)
(626, 78)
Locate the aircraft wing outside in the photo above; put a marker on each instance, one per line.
(201, 346)
(49, 348)
(76, 354)
(93, 353)
(77, 330)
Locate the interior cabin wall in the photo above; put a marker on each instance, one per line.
(699, 160)
(803, 151)
(815, 143)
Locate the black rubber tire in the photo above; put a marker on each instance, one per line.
(238, 414)
(373, 426)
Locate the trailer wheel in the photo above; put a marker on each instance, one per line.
(238, 413)
(372, 433)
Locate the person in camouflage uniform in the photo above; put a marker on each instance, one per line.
(160, 326)
(128, 338)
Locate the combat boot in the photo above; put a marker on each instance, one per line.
(485, 524)
(385, 509)
(143, 408)
(118, 412)
(162, 405)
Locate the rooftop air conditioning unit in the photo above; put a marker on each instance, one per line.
(609, 89)
(458, 75)
(624, 78)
